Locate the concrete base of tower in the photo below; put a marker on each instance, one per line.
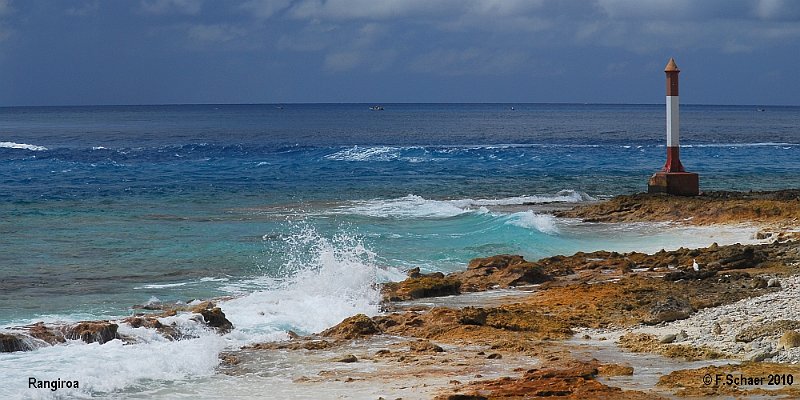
(677, 183)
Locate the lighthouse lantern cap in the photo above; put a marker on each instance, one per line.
(671, 66)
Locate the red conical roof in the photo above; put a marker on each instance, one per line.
(671, 66)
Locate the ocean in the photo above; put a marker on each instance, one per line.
(296, 211)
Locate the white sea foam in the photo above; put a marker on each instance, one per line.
(564, 196)
(413, 206)
(179, 284)
(161, 285)
(544, 223)
(361, 153)
(410, 206)
(110, 367)
(22, 146)
(213, 279)
(411, 153)
(761, 144)
(337, 279)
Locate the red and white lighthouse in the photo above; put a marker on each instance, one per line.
(673, 179)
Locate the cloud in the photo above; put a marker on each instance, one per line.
(310, 37)
(85, 9)
(161, 7)
(634, 25)
(369, 60)
(265, 8)
(5, 7)
(469, 61)
(647, 9)
(701, 10)
(472, 37)
(365, 48)
(342, 61)
(370, 9)
(213, 34)
(780, 10)
(480, 37)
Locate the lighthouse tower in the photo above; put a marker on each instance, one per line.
(673, 179)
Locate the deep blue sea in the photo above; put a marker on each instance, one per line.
(297, 210)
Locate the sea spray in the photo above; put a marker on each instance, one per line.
(317, 282)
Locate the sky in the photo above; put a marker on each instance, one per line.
(92, 52)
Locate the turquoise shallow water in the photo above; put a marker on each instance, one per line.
(298, 210)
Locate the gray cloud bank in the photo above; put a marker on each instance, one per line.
(391, 50)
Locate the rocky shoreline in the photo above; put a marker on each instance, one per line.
(203, 314)
(736, 308)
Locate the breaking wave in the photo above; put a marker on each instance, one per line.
(317, 282)
(544, 223)
(413, 206)
(21, 146)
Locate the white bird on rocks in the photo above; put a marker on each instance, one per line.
(695, 265)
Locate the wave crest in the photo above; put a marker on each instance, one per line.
(544, 223)
(321, 281)
(21, 146)
(413, 206)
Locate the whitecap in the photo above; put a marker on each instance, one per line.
(22, 146)
(212, 279)
(544, 223)
(563, 196)
(361, 153)
(735, 145)
(413, 206)
(160, 285)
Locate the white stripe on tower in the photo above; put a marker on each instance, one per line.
(673, 121)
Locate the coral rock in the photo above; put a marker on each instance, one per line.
(93, 331)
(769, 329)
(347, 359)
(418, 286)
(213, 316)
(425, 346)
(790, 339)
(10, 343)
(353, 327)
(44, 333)
(671, 309)
(501, 271)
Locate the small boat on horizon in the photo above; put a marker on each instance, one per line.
(376, 108)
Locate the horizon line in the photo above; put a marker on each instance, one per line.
(384, 103)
